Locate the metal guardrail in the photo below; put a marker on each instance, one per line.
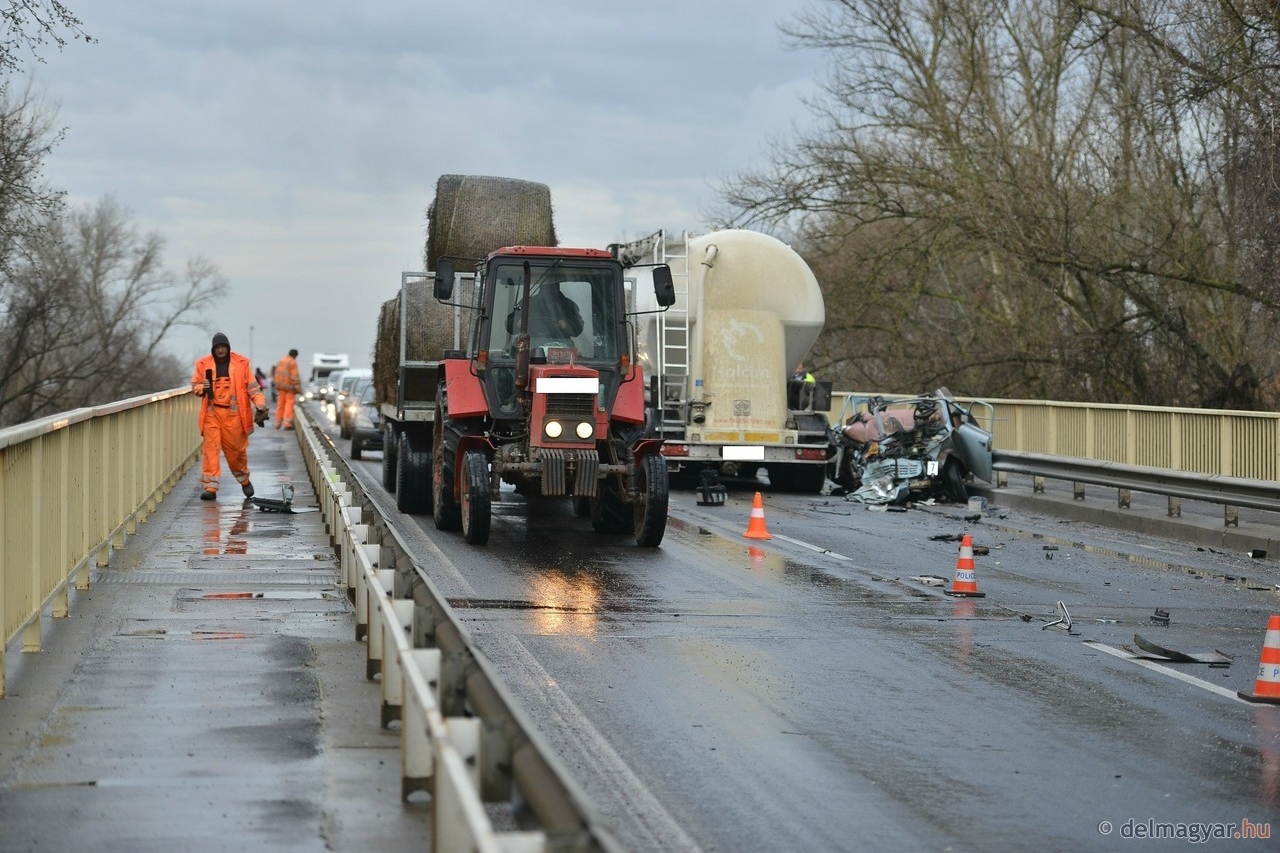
(72, 487)
(463, 738)
(1216, 488)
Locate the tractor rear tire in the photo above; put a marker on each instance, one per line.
(651, 504)
(609, 513)
(476, 507)
(448, 515)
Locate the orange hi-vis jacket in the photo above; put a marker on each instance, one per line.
(286, 377)
(244, 395)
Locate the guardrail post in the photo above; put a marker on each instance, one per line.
(1037, 485)
(1124, 499)
(1230, 516)
(1175, 507)
(1077, 491)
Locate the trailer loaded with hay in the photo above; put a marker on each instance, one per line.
(478, 387)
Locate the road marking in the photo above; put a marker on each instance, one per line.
(818, 548)
(1180, 676)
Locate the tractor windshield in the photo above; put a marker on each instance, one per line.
(569, 306)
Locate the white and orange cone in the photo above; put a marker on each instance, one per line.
(1266, 687)
(755, 527)
(966, 580)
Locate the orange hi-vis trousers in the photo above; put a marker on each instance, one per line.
(284, 408)
(224, 434)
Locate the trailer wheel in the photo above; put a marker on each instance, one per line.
(447, 514)
(476, 508)
(651, 505)
(389, 456)
(609, 513)
(413, 473)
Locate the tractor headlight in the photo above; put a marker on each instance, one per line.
(553, 429)
(586, 430)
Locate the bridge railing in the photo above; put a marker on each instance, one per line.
(72, 487)
(1203, 441)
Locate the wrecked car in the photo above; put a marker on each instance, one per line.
(892, 450)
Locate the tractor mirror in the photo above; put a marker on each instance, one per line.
(663, 288)
(444, 279)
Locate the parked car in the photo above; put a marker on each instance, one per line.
(366, 424)
(350, 404)
(890, 450)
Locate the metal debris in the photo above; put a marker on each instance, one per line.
(1150, 651)
(1063, 620)
(1160, 617)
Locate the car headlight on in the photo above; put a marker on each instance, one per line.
(553, 429)
(586, 430)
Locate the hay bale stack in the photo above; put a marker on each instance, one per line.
(430, 331)
(472, 215)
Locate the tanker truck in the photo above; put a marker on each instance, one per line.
(747, 310)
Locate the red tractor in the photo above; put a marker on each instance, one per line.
(549, 396)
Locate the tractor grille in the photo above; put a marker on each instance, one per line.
(571, 405)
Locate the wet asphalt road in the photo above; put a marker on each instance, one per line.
(809, 693)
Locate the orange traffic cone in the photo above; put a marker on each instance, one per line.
(755, 527)
(966, 582)
(1266, 688)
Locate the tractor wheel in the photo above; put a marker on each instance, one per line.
(447, 514)
(476, 508)
(413, 475)
(389, 455)
(609, 513)
(651, 505)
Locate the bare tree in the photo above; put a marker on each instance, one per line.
(89, 310)
(28, 25)
(1020, 198)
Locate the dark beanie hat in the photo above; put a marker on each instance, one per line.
(293, 353)
(220, 338)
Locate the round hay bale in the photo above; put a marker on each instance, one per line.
(471, 215)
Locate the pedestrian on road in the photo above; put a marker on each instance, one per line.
(288, 386)
(233, 403)
(261, 377)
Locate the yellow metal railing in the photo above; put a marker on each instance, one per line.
(72, 487)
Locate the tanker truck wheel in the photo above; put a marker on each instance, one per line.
(389, 455)
(448, 516)
(413, 475)
(651, 503)
(476, 507)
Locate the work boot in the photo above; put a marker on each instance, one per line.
(247, 488)
(208, 495)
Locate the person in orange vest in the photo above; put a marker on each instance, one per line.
(288, 387)
(233, 403)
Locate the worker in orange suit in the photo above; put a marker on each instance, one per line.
(288, 387)
(233, 403)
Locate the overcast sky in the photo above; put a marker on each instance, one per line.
(296, 143)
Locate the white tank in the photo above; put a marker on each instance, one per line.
(737, 271)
